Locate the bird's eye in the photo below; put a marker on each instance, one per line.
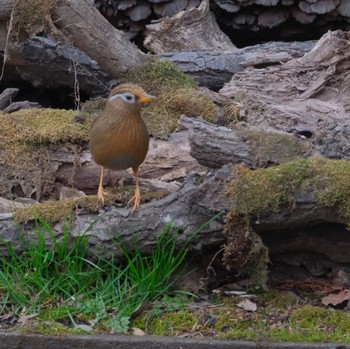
(129, 97)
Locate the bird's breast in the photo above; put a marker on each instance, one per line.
(120, 146)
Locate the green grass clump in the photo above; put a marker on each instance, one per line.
(56, 279)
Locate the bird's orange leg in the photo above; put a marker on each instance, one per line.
(101, 194)
(135, 200)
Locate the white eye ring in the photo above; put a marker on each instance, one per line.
(127, 97)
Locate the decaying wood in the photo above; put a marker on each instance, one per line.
(239, 15)
(214, 68)
(21, 105)
(214, 146)
(97, 38)
(292, 98)
(198, 200)
(8, 106)
(42, 58)
(166, 166)
(195, 29)
(304, 96)
(7, 96)
(38, 59)
(307, 234)
(93, 35)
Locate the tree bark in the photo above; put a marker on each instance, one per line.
(296, 97)
(91, 33)
(215, 68)
(187, 209)
(6, 9)
(195, 29)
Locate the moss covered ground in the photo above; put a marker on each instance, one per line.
(280, 316)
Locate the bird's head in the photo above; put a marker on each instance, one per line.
(129, 95)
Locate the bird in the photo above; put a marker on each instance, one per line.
(119, 137)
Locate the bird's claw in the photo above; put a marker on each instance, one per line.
(101, 196)
(135, 201)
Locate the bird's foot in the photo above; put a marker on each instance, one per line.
(135, 201)
(101, 195)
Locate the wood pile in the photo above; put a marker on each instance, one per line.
(291, 18)
(7, 105)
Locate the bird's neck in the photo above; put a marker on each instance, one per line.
(114, 115)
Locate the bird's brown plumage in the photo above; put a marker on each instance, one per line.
(119, 136)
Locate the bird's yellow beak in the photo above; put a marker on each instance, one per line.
(146, 98)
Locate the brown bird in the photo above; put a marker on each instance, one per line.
(119, 136)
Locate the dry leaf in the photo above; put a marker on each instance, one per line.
(23, 319)
(336, 298)
(248, 305)
(138, 332)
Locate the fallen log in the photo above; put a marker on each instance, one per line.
(167, 164)
(187, 209)
(87, 29)
(304, 105)
(214, 68)
(38, 59)
(195, 29)
(7, 105)
(7, 96)
(214, 146)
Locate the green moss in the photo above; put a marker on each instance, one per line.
(274, 148)
(27, 139)
(258, 192)
(279, 299)
(33, 16)
(311, 317)
(53, 211)
(279, 317)
(176, 93)
(255, 193)
(159, 75)
(244, 252)
(310, 323)
(163, 114)
(283, 323)
(170, 324)
(51, 328)
(37, 126)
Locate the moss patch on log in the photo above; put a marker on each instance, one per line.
(255, 193)
(272, 147)
(33, 16)
(54, 211)
(245, 255)
(158, 75)
(47, 126)
(27, 139)
(176, 93)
